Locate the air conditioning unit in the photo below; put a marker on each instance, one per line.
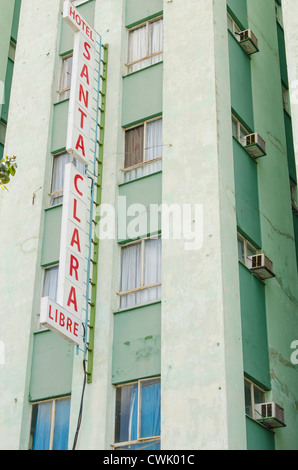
(248, 42)
(254, 145)
(270, 415)
(261, 266)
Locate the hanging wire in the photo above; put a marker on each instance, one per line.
(81, 408)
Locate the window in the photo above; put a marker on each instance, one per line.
(50, 425)
(137, 415)
(50, 282)
(65, 78)
(145, 44)
(140, 279)
(238, 130)
(233, 27)
(253, 396)
(143, 150)
(245, 250)
(58, 172)
(293, 188)
(286, 99)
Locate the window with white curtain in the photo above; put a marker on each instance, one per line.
(145, 45)
(143, 150)
(140, 279)
(58, 173)
(65, 77)
(137, 415)
(50, 425)
(50, 282)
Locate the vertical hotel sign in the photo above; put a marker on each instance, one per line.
(64, 317)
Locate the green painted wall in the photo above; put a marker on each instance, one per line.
(276, 218)
(142, 94)
(7, 88)
(51, 236)
(143, 191)
(254, 327)
(258, 437)
(247, 195)
(52, 361)
(238, 9)
(141, 10)
(59, 130)
(241, 94)
(6, 18)
(136, 345)
(15, 22)
(66, 37)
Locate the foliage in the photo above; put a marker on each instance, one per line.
(7, 169)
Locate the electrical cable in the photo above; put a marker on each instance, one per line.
(81, 408)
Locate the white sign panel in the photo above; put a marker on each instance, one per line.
(82, 87)
(72, 243)
(60, 320)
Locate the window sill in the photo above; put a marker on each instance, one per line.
(141, 70)
(140, 178)
(135, 307)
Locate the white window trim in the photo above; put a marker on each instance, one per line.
(142, 287)
(239, 128)
(252, 396)
(139, 439)
(148, 56)
(144, 162)
(63, 90)
(235, 27)
(245, 244)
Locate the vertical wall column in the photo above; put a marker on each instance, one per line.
(29, 115)
(201, 352)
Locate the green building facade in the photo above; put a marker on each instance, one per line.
(187, 339)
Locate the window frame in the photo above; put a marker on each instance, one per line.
(144, 162)
(60, 90)
(142, 287)
(148, 56)
(240, 127)
(60, 192)
(245, 244)
(254, 386)
(139, 440)
(53, 415)
(235, 27)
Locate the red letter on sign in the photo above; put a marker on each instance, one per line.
(75, 211)
(74, 266)
(83, 115)
(61, 320)
(76, 239)
(76, 178)
(72, 299)
(85, 73)
(86, 45)
(80, 144)
(85, 97)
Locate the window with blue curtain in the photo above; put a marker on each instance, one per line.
(50, 425)
(138, 415)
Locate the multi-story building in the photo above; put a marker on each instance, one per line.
(189, 318)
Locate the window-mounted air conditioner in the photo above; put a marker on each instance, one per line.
(261, 266)
(254, 145)
(270, 415)
(248, 42)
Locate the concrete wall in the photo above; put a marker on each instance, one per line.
(201, 366)
(21, 247)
